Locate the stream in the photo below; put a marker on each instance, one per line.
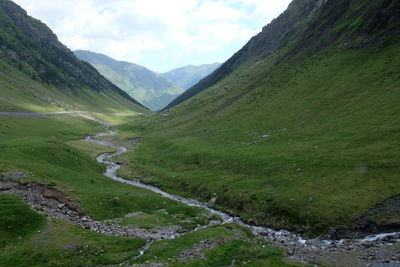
(283, 238)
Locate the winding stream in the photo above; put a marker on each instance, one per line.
(280, 237)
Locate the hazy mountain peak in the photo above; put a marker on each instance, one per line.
(189, 75)
(149, 88)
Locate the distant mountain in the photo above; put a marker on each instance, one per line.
(151, 89)
(187, 76)
(38, 72)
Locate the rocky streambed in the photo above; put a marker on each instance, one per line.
(382, 249)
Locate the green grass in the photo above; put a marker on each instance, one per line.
(241, 253)
(237, 245)
(46, 149)
(91, 149)
(42, 146)
(27, 238)
(334, 115)
(17, 220)
(186, 217)
(20, 93)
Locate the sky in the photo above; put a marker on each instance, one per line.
(158, 34)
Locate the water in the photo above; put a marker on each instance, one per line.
(280, 236)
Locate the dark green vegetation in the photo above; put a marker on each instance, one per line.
(38, 73)
(186, 77)
(151, 89)
(27, 239)
(230, 244)
(17, 220)
(299, 133)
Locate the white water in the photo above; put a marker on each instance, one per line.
(281, 236)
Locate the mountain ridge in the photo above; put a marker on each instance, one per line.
(151, 89)
(289, 27)
(31, 47)
(189, 75)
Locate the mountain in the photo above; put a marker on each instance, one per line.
(186, 77)
(261, 45)
(288, 28)
(298, 130)
(151, 89)
(40, 73)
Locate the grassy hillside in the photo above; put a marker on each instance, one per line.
(21, 93)
(149, 88)
(38, 73)
(304, 139)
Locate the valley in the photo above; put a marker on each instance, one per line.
(286, 154)
(103, 204)
(150, 217)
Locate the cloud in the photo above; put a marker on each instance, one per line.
(156, 33)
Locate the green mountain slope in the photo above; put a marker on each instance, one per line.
(151, 89)
(260, 46)
(39, 73)
(186, 77)
(299, 130)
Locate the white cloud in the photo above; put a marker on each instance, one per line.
(137, 30)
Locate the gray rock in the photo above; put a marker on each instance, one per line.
(13, 176)
(212, 202)
(266, 136)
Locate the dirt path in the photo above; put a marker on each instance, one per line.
(83, 114)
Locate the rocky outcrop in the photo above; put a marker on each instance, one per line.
(382, 217)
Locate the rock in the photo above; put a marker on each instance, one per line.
(266, 136)
(60, 206)
(331, 231)
(13, 176)
(6, 186)
(212, 202)
(252, 143)
(299, 170)
(367, 244)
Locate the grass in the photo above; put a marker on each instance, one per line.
(186, 217)
(232, 244)
(17, 220)
(91, 149)
(333, 121)
(241, 253)
(48, 151)
(20, 93)
(34, 241)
